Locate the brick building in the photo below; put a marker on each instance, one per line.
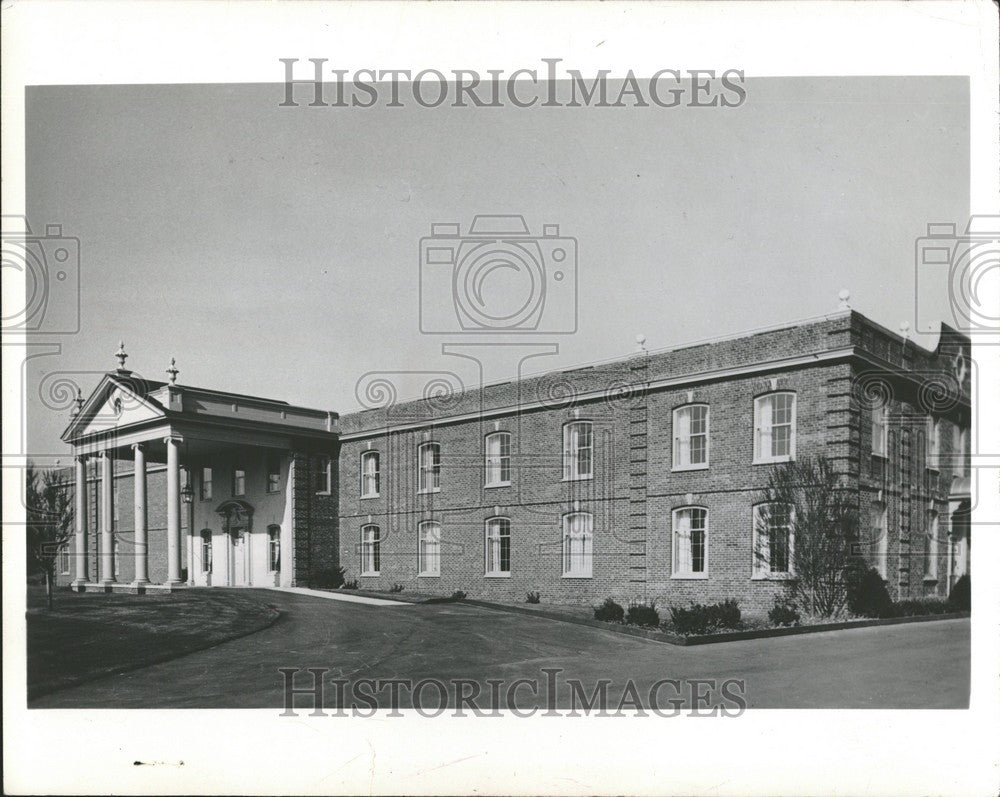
(636, 479)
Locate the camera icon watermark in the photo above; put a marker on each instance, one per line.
(497, 278)
(969, 265)
(50, 267)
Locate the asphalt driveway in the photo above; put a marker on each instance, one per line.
(923, 665)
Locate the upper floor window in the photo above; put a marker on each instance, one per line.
(206, 551)
(690, 558)
(880, 539)
(239, 482)
(206, 484)
(429, 549)
(273, 474)
(274, 548)
(498, 459)
(323, 475)
(933, 443)
(880, 430)
(429, 464)
(370, 475)
(578, 545)
(498, 546)
(691, 437)
(371, 553)
(578, 450)
(773, 540)
(774, 428)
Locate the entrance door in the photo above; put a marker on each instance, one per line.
(238, 576)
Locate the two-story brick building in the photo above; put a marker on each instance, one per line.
(638, 479)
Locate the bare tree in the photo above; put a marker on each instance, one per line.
(49, 523)
(808, 500)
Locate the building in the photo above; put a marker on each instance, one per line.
(636, 479)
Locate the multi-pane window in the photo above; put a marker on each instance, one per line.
(960, 446)
(931, 572)
(578, 545)
(206, 484)
(933, 442)
(370, 475)
(774, 428)
(429, 464)
(371, 550)
(498, 546)
(116, 563)
(881, 539)
(429, 549)
(578, 450)
(498, 459)
(274, 548)
(774, 543)
(880, 430)
(206, 551)
(273, 474)
(64, 558)
(691, 436)
(239, 482)
(690, 541)
(323, 475)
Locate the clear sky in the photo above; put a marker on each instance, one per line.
(274, 251)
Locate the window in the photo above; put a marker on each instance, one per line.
(690, 541)
(239, 482)
(774, 428)
(933, 443)
(429, 463)
(774, 542)
(273, 474)
(880, 430)
(370, 475)
(578, 450)
(691, 437)
(881, 539)
(578, 542)
(960, 443)
(371, 553)
(206, 550)
(931, 571)
(206, 484)
(64, 559)
(323, 476)
(498, 546)
(429, 549)
(498, 459)
(274, 548)
(116, 564)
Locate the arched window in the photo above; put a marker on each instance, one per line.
(774, 428)
(371, 476)
(498, 459)
(429, 466)
(690, 548)
(206, 550)
(578, 545)
(773, 540)
(371, 550)
(578, 450)
(691, 437)
(498, 546)
(274, 548)
(429, 549)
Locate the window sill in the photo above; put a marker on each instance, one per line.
(689, 576)
(774, 461)
(933, 468)
(323, 492)
(681, 468)
(877, 455)
(496, 575)
(577, 478)
(930, 580)
(429, 492)
(372, 574)
(577, 576)
(369, 497)
(494, 486)
(773, 577)
(428, 575)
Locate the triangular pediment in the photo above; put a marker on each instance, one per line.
(114, 404)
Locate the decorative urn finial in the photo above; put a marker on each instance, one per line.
(640, 342)
(844, 296)
(173, 371)
(904, 329)
(77, 403)
(121, 356)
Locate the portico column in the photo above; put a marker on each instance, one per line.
(173, 511)
(141, 534)
(81, 521)
(107, 518)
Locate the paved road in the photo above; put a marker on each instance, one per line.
(923, 665)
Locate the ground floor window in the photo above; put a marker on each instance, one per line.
(64, 559)
(206, 551)
(498, 546)
(933, 549)
(429, 549)
(881, 539)
(273, 548)
(774, 542)
(578, 545)
(371, 544)
(690, 542)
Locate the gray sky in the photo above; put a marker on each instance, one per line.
(274, 251)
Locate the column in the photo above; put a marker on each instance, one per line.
(173, 511)
(107, 575)
(141, 532)
(81, 521)
(190, 531)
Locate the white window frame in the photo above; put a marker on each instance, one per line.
(324, 466)
(880, 431)
(572, 449)
(273, 544)
(374, 477)
(881, 527)
(64, 559)
(275, 486)
(371, 550)
(678, 538)
(494, 531)
(682, 437)
(933, 443)
(959, 443)
(578, 565)
(206, 550)
(761, 568)
(428, 475)
(236, 480)
(205, 488)
(933, 546)
(764, 431)
(496, 461)
(429, 561)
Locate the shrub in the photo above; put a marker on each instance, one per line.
(458, 595)
(609, 612)
(961, 595)
(867, 595)
(534, 597)
(350, 584)
(328, 578)
(643, 615)
(783, 613)
(699, 619)
(918, 606)
(396, 588)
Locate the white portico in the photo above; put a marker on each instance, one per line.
(213, 478)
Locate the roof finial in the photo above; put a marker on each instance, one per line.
(640, 342)
(173, 371)
(844, 296)
(904, 329)
(77, 403)
(121, 355)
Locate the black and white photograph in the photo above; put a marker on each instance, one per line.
(501, 398)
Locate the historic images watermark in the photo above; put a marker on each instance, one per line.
(548, 86)
(549, 694)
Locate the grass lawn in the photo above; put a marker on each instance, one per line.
(90, 635)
